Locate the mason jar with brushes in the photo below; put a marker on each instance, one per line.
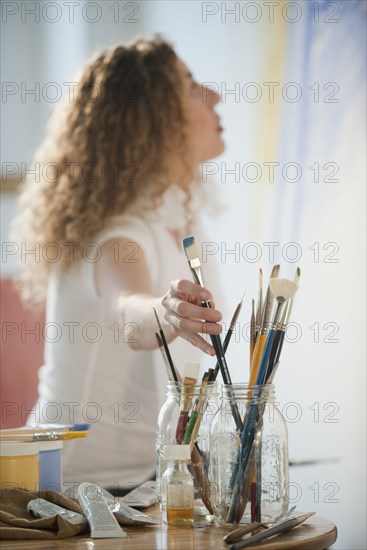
(249, 469)
(185, 419)
(177, 487)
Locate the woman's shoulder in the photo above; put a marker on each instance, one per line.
(124, 226)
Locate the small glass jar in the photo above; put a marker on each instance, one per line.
(177, 487)
(166, 435)
(249, 469)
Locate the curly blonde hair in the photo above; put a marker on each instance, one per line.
(114, 142)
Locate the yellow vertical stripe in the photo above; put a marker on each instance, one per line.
(269, 115)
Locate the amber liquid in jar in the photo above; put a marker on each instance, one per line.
(180, 516)
(177, 495)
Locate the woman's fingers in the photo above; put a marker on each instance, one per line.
(185, 324)
(193, 300)
(186, 315)
(184, 288)
(199, 342)
(192, 311)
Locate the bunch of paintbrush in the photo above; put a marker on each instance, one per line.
(188, 426)
(262, 532)
(190, 376)
(265, 355)
(194, 399)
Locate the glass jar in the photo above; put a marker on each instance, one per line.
(177, 487)
(249, 469)
(166, 435)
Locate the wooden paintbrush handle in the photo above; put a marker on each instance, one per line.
(264, 362)
(276, 530)
(227, 339)
(181, 425)
(273, 352)
(256, 358)
(201, 479)
(237, 534)
(252, 348)
(189, 428)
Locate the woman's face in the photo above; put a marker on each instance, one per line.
(204, 129)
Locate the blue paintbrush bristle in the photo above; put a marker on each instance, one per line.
(188, 241)
(190, 249)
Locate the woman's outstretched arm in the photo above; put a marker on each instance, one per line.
(127, 288)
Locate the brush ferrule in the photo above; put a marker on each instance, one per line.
(280, 303)
(287, 311)
(195, 263)
(265, 321)
(196, 273)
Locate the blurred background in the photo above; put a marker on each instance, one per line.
(292, 181)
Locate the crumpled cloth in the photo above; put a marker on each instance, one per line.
(16, 522)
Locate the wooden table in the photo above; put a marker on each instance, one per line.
(315, 534)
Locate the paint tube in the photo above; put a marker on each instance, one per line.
(128, 516)
(100, 518)
(41, 508)
(143, 496)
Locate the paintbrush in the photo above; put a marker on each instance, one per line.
(282, 290)
(164, 357)
(193, 425)
(191, 373)
(259, 302)
(44, 436)
(195, 266)
(282, 527)
(45, 428)
(201, 479)
(280, 334)
(240, 532)
(252, 331)
(173, 376)
(258, 479)
(261, 337)
(227, 339)
(255, 487)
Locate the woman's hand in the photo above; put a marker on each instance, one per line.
(128, 288)
(187, 318)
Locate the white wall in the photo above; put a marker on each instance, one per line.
(320, 384)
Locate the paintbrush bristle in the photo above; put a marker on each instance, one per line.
(275, 271)
(282, 288)
(206, 376)
(191, 370)
(237, 312)
(190, 248)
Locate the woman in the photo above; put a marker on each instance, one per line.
(117, 195)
